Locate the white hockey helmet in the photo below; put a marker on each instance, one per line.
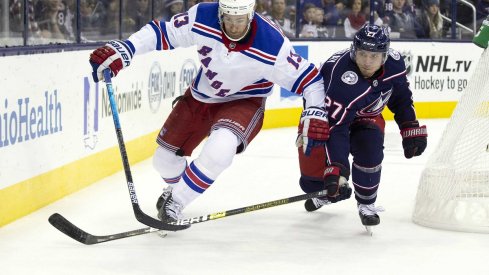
(237, 7)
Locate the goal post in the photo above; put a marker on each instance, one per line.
(453, 192)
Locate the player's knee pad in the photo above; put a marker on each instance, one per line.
(366, 181)
(367, 176)
(309, 185)
(168, 164)
(218, 152)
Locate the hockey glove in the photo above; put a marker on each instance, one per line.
(335, 182)
(115, 55)
(313, 129)
(414, 138)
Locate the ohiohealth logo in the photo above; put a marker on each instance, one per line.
(29, 118)
(303, 51)
(90, 114)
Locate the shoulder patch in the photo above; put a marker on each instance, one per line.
(394, 54)
(349, 77)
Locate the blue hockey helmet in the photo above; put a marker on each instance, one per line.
(371, 38)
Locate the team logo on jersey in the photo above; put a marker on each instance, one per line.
(408, 61)
(375, 83)
(394, 54)
(155, 87)
(350, 78)
(377, 106)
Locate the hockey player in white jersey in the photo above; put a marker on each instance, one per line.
(242, 55)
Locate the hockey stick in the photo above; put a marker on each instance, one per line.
(83, 237)
(140, 215)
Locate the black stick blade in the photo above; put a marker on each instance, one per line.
(74, 232)
(69, 229)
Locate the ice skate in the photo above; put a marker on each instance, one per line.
(368, 215)
(171, 210)
(162, 198)
(315, 203)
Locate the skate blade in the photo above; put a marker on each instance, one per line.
(161, 234)
(369, 230)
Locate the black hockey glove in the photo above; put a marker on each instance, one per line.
(414, 138)
(336, 182)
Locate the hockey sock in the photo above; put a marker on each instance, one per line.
(169, 165)
(217, 155)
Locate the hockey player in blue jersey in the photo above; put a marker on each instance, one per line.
(242, 55)
(359, 82)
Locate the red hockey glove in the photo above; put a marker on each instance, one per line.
(414, 138)
(313, 129)
(115, 55)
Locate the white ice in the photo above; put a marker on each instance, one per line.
(279, 240)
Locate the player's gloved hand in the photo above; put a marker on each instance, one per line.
(313, 129)
(336, 183)
(115, 55)
(414, 138)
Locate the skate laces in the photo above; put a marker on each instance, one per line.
(167, 191)
(320, 202)
(173, 209)
(369, 209)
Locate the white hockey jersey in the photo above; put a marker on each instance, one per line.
(231, 70)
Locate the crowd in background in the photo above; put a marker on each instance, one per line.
(49, 21)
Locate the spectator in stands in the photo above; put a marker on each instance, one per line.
(379, 8)
(464, 12)
(262, 7)
(110, 18)
(290, 10)
(90, 19)
(55, 20)
(309, 27)
(323, 31)
(335, 12)
(139, 14)
(279, 17)
(377, 18)
(482, 9)
(16, 18)
(332, 10)
(430, 23)
(355, 19)
(401, 20)
(173, 7)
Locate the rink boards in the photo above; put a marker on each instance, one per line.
(57, 134)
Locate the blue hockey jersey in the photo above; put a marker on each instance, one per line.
(350, 96)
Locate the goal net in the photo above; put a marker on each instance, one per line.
(453, 192)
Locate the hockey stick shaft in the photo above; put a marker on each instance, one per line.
(140, 215)
(246, 209)
(74, 232)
